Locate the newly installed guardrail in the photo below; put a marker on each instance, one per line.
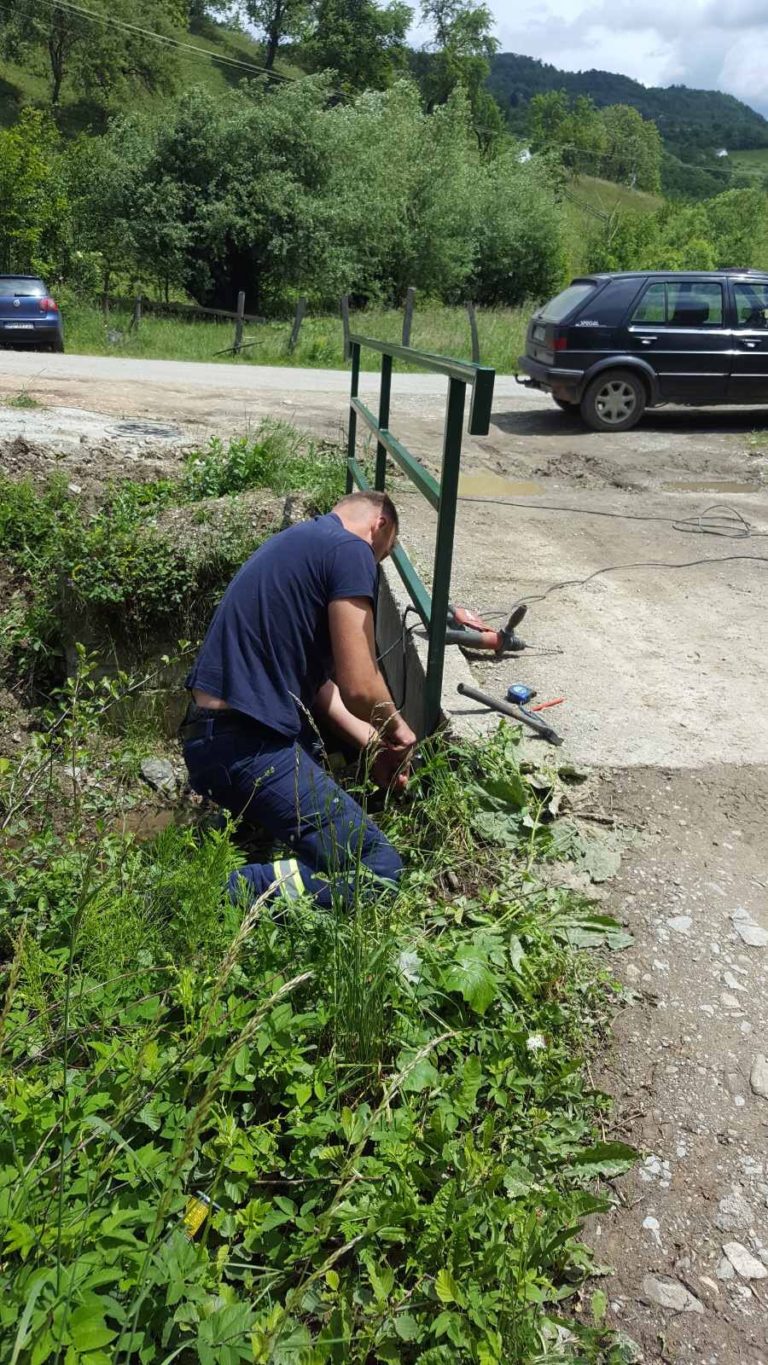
(442, 496)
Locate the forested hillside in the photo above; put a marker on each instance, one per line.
(149, 147)
(685, 118)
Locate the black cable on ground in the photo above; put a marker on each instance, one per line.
(639, 564)
(724, 520)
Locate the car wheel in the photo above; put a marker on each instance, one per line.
(567, 404)
(57, 345)
(615, 401)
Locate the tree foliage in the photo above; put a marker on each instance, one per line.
(96, 55)
(615, 143)
(33, 202)
(730, 229)
(361, 42)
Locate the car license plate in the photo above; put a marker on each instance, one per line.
(20, 326)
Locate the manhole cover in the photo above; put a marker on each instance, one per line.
(163, 432)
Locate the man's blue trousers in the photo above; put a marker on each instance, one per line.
(266, 780)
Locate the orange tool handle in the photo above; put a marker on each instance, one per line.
(544, 705)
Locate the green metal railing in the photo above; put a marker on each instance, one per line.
(442, 496)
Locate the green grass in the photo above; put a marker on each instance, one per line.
(21, 85)
(589, 201)
(752, 162)
(439, 329)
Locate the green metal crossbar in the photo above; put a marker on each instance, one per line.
(442, 496)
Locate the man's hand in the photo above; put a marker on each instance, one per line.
(391, 768)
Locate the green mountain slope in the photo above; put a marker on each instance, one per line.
(687, 119)
(20, 85)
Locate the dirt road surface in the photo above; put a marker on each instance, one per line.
(663, 671)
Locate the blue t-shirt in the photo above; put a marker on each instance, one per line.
(269, 641)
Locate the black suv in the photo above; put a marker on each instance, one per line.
(614, 345)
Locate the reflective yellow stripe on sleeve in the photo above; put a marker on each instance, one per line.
(288, 878)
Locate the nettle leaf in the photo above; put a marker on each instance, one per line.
(605, 1158)
(446, 1287)
(406, 1327)
(470, 975)
(88, 1329)
(424, 1075)
(600, 860)
(593, 931)
(506, 792)
(150, 1116)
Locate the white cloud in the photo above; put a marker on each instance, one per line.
(709, 44)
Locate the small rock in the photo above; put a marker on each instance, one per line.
(758, 1076)
(744, 1263)
(725, 1270)
(632, 972)
(731, 982)
(733, 1213)
(671, 1294)
(729, 1001)
(159, 773)
(680, 923)
(652, 1226)
(750, 933)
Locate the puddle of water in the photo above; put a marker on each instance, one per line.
(495, 486)
(709, 486)
(141, 428)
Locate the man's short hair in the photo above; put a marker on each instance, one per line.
(382, 501)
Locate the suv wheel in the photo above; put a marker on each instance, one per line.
(615, 401)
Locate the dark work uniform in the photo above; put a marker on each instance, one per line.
(267, 652)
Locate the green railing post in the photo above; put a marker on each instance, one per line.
(442, 496)
(352, 430)
(385, 394)
(446, 525)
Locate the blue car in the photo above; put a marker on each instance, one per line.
(28, 314)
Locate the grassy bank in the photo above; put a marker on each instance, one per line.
(275, 1135)
(442, 330)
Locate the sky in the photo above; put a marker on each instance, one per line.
(708, 44)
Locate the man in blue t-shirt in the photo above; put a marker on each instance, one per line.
(293, 641)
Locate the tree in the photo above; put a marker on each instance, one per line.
(362, 42)
(278, 19)
(459, 58)
(94, 54)
(633, 148)
(33, 201)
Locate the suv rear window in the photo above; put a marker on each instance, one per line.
(11, 286)
(681, 303)
(564, 303)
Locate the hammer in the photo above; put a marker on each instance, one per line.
(522, 717)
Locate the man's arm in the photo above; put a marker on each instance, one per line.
(328, 706)
(361, 684)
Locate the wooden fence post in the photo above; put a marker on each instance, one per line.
(345, 326)
(475, 336)
(410, 295)
(136, 319)
(238, 342)
(301, 308)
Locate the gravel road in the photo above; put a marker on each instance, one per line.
(663, 670)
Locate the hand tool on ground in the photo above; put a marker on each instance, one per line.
(506, 709)
(545, 705)
(520, 694)
(466, 628)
